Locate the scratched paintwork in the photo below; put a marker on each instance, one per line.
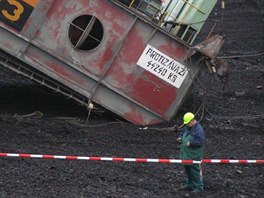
(108, 74)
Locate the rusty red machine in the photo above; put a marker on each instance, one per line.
(133, 58)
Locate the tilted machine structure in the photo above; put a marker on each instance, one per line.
(133, 58)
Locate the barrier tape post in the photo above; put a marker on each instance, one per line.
(139, 160)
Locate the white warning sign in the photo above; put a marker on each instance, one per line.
(163, 66)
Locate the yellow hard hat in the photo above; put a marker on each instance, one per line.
(188, 117)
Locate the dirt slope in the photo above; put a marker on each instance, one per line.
(233, 119)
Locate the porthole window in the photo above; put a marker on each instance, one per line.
(86, 32)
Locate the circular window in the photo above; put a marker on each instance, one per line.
(86, 32)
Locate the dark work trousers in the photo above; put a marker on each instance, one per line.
(194, 177)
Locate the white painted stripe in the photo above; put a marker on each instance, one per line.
(59, 157)
(152, 160)
(83, 158)
(251, 161)
(12, 155)
(36, 156)
(106, 158)
(233, 161)
(197, 162)
(129, 159)
(176, 161)
(215, 161)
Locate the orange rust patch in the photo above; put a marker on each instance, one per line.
(32, 3)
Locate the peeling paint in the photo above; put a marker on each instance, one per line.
(113, 63)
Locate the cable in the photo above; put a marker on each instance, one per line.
(236, 117)
(245, 55)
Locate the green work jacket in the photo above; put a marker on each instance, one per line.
(196, 137)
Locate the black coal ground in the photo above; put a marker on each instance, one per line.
(233, 121)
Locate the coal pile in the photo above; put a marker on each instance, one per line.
(233, 119)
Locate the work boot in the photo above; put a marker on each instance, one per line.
(196, 191)
(185, 188)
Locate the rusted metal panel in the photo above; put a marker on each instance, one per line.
(109, 74)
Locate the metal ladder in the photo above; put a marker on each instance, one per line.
(19, 67)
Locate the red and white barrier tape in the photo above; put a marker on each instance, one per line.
(140, 160)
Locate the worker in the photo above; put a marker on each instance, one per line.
(192, 141)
